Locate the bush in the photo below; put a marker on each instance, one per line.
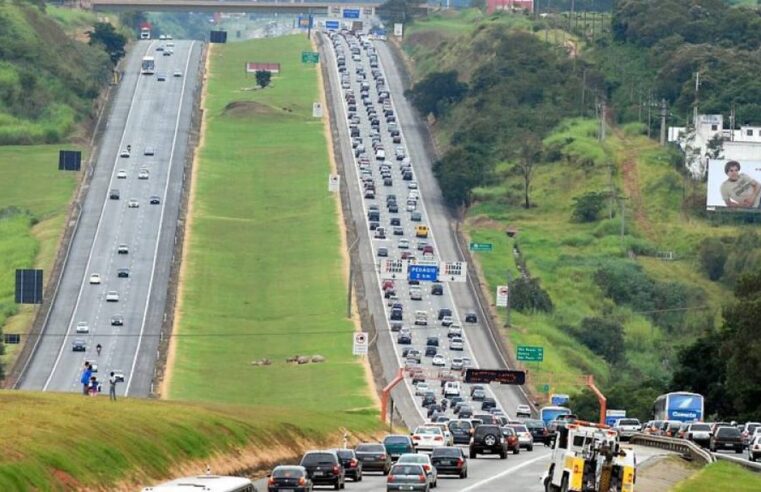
(577, 240)
(603, 337)
(712, 256)
(527, 296)
(587, 207)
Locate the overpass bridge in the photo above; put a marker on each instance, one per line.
(315, 7)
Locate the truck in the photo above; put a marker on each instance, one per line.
(588, 457)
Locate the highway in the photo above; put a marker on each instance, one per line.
(145, 113)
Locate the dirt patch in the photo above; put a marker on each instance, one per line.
(428, 39)
(68, 482)
(244, 109)
(664, 473)
(484, 222)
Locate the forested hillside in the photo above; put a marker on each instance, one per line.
(616, 268)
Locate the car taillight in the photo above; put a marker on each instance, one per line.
(460, 462)
(353, 463)
(382, 457)
(336, 470)
(438, 438)
(421, 478)
(271, 481)
(427, 468)
(302, 481)
(390, 478)
(415, 438)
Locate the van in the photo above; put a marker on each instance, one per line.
(380, 155)
(421, 318)
(421, 231)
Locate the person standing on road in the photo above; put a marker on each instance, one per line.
(112, 387)
(85, 379)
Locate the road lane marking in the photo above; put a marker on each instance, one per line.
(476, 485)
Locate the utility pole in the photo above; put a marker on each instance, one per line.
(351, 278)
(732, 124)
(623, 223)
(603, 112)
(509, 295)
(695, 108)
(664, 112)
(583, 90)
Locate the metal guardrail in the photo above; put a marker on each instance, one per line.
(688, 449)
(750, 465)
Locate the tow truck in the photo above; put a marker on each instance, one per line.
(588, 457)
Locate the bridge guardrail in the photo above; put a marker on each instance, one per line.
(754, 467)
(688, 449)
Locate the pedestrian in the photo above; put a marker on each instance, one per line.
(112, 387)
(93, 386)
(85, 379)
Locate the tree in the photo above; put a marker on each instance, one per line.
(603, 337)
(106, 36)
(529, 153)
(458, 172)
(526, 295)
(713, 256)
(263, 78)
(402, 11)
(437, 92)
(587, 207)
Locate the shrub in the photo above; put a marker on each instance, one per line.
(587, 207)
(526, 295)
(712, 256)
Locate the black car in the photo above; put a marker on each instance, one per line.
(471, 317)
(154, 200)
(79, 345)
(726, 438)
(352, 465)
(117, 320)
(488, 439)
(432, 341)
(488, 403)
(373, 457)
(404, 339)
(437, 290)
(396, 326)
(293, 478)
(123, 273)
(395, 221)
(324, 468)
(113, 194)
(396, 314)
(538, 431)
(450, 461)
(431, 351)
(444, 312)
(436, 408)
(460, 430)
(429, 399)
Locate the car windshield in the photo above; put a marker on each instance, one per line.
(628, 422)
(396, 440)
(482, 430)
(413, 458)
(448, 452)
(701, 427)
(460, 425)
(410, 469)
(371, 448)
(288, 472)
(428, 430)
(534, 423)
(345, 453)
(519, 428)
(315, 458)
(728, 432)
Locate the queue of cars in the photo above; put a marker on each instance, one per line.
(716, 436)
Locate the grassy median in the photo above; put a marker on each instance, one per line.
(263, 271)
(721, 477)
(34, 200)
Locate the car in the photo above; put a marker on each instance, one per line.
(160, 77)
(124, 153)
(748, 430)
(289, 478)
(421, 389)
(118, 375)
(456, 364)
(523, 410)
(488, 403)
(112, 296)
(754, 448)
(154, 200)
(373, 457)
(450, 460)
(699, 433)
(421, 318)
(456, 343)
(538, 431)
(511, 439)
(95, 279)
(122, 249)
(471, 317)
(437, 289)
(428, 438)
(352, 465)
(416, 294)
(726, 438)
(397, 445)
(478, 395)
(447, 321)
(122, 174)
(439, 360)
(160, 47)
(149, 151)
(432, 341)
(454, 331)
(83, 327)
(122, 273)
(382, 252)
(133, 203)
(525, 439)
(324, 468)
(117, 320)
(78, 345)
(407, 476)
(404, 339)
(177, 73)
(143, 174)
(113, 194)
(425, 461)
(488, 439)
(627, 427)
(403, 243)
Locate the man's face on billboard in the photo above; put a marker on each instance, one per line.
(733, 173)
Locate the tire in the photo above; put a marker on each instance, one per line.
(503, 455)
(358, 477)
(385, 471)
(464, 474)
(530, 448)
(490, 440)
(337, 485)
(564, 484)
(435, 484)
(738, 450)
(517, 450)
(473, 455)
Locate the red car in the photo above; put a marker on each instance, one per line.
(512, 439)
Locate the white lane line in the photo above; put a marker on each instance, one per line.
(82, 284)
(161, 222)
(509, 471)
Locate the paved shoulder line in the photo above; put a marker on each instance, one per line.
(478, 485)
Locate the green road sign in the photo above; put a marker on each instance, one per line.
(546, 388)
(530, 354)
(481, 246)
(310, 57)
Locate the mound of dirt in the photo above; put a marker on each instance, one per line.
(243, 109)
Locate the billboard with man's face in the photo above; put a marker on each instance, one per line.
(734, 185)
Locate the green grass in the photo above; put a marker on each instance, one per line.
(264, 269)
(70, 442)
(721, 477)
(32, 185)
(72, 20)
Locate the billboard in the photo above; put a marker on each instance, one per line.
(734, 185)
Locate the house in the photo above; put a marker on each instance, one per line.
(494, 5)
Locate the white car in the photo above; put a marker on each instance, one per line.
(448, 438)
(421, 389)
(425, 460)
(124, 153)
(447, 321)
(427, 438)
(112, 296)
(467, 362)
(404, 244)
(177, 73)
(412, 185)
(119, 375)
(456, 344)
(523, 410)
(457, 364)
(82, 327)
(525, 439)
(454, 331)
(133, 203)
(122, 249)
(143, 174)
(416, 294)
(452, 388)
(122, 174)
(439, 360)
(95, 279)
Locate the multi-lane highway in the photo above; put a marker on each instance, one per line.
(153, 117)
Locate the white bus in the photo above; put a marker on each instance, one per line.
(145, 33)
(679, 405)
(207, 483)
(148, 66)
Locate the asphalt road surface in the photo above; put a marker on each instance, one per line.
(145, 113)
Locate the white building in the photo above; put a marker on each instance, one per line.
(739, 145)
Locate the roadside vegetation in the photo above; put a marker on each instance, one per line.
(264, 275)
(615, 267)
(721, 477)
(70, 442)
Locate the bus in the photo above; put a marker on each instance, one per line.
(548, 414)
(148, 66)
(679, 405)
(207, 483)
(145, 33)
